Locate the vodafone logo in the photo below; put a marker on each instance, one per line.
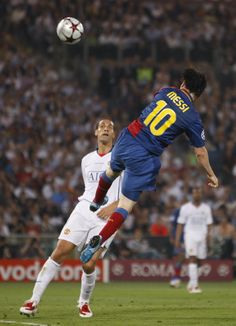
(118, 269)
(20, 272)
(28, 271)
(223, 270)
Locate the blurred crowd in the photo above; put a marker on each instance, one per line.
(51, 96)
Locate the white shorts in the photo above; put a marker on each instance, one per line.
(82, 225)
(195, 247)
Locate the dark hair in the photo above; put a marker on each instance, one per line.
(96, 125)
(194, 81)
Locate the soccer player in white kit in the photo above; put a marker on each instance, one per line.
(196, 219)
(82, 225)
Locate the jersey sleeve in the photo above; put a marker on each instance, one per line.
(182, 219)
(196, 134)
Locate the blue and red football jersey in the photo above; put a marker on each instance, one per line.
(170, 114)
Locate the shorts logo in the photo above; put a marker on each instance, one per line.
(67, 231)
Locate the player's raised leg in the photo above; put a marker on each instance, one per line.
(113, 224)
(45, 276)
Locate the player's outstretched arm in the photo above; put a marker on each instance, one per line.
(203, 159)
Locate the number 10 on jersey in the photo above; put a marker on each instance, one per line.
(157, 115)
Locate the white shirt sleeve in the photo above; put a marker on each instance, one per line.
(83, 170)
(182, 219)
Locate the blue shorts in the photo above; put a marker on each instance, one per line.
(139, 165)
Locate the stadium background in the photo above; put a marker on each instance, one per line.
(51, 96)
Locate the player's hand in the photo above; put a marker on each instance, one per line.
(212, 181)
(105, 212)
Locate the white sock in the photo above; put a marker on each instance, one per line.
(45, 276)
(193, 275)
(87, 285)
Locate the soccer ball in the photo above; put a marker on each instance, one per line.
(70, 30)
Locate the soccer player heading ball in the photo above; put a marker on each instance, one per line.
(140, 145)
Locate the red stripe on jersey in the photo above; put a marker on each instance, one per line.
(135, 127)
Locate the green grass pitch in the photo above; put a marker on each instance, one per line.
(124, 304)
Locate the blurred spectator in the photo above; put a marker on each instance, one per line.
(4, 230)
(158, 228)
(140, 247)
(17, 225)
(32, 228)
(222, 238)
(5, 251)
(46, 225)
(32, 248)
(119, 248)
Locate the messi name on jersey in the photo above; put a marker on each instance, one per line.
(177, 100)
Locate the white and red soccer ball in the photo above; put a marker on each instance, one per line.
(70, 30)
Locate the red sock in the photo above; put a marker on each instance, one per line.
(102, 189)
(113, 224)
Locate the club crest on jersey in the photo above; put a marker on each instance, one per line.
(93, 176)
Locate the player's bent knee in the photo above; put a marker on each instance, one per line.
(126, 203)
(62, 250)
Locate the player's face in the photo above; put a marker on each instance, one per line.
(105, 131)
(197, 194)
